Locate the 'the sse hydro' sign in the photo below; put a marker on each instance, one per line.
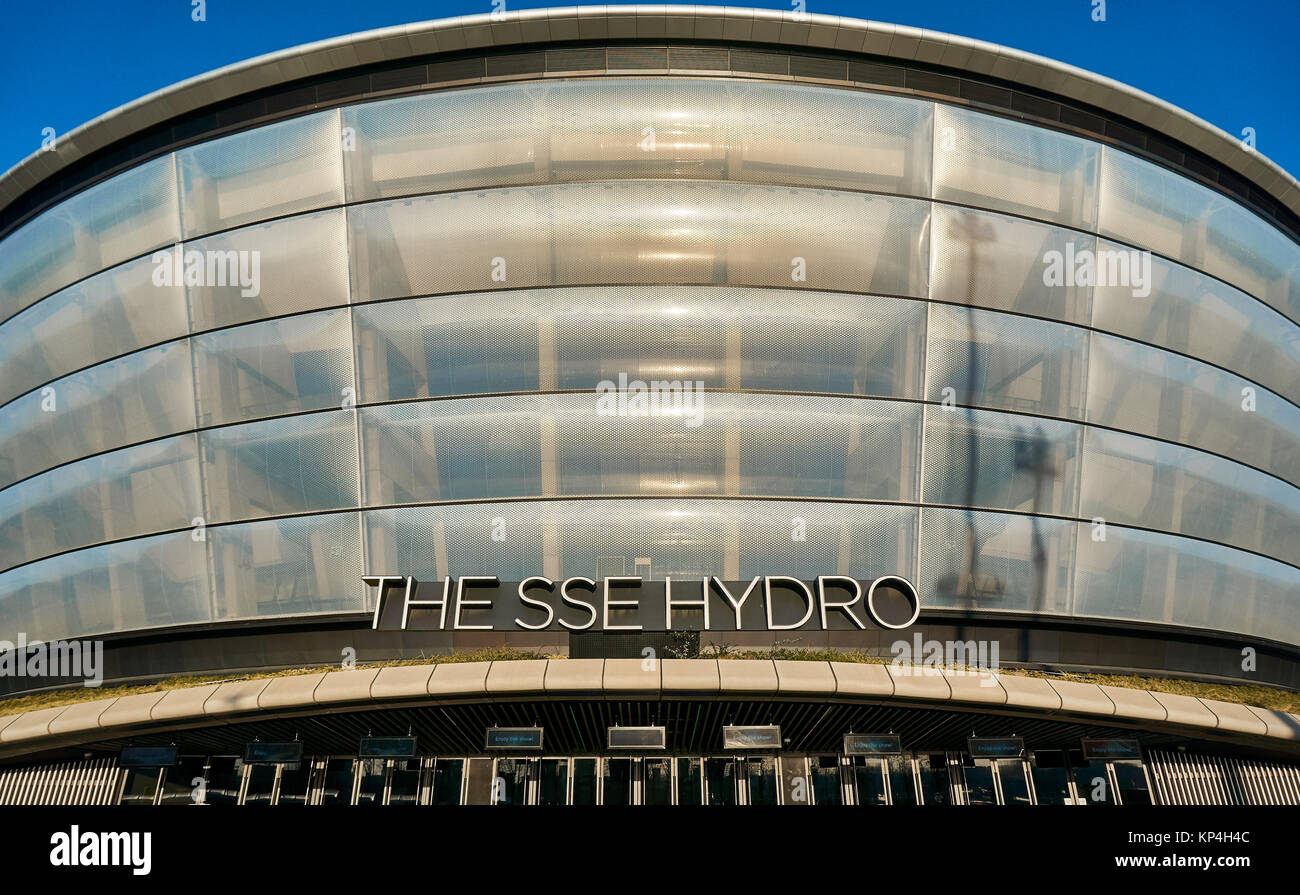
(765, 603)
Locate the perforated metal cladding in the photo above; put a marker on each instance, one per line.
(1150, 392)
(136, 398)
(1146, 205)
(995, 360)
(301, 264)
(456, 450)
(1195, 314)
(995, 163)
(287, 566)
(580, 444)
(739, 338)
(144, 583)
(649, 232)
(1138, 481)
(1147, 576)
(737, 181)
(266, 172)
(107, 315)
(507, 540)
(282, 466)
(638, 128)
(683, 538)
(129, 215)
(137, 491)
(450, 345)
(995, 562)
(274, 367)
(995, 261)
(999, 460)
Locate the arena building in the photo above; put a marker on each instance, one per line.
(638, 336)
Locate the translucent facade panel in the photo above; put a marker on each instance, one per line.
(579, 444)
(1146, 576)
(129, 215)
(450, 140)
(124, 494)
(1010, 258)
(1001, 461)
(596, 129)
(283, 466)
(287, 566)
(431, 543)
(1195, 314)
(144, 583)
(1136, 481)
(274, 367)
(104, 316)
(1249, 253)
(137, 398)
(450, 345)
(759, 339)
(682, 538)
(822, 447)
(262, 173)
(1144, 390)
(859, 540)
(644, 232)
(1011, 363)
(995, 562)
(295, 264)
(1146, 205)
(457, 450)
(995, 163)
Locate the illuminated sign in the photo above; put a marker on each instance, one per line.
(761, 737)
(387, 747)
(631, 603)
(147, 757)
(514, 738)
(872, 744)
(995, 747)
(1101, 750)
(638, 738)
(272, 753)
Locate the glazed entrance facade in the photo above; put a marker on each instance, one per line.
(1047, 777)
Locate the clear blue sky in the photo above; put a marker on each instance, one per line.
(1235, 64)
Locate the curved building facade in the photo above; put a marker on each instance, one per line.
(973, 325)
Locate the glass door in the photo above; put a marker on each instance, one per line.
(869, 781)
(657, 781)
(720, 780)
(902, 779)
(617, 781)
(553, 781)
(690, 781)
(936, 781)
(761, 781)
(827, 782)
(1013, 781)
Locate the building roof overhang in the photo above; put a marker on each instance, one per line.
(753, 26)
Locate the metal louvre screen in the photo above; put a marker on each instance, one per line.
(90, 782)
(1184, 778)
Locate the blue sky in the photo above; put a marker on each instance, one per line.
(1234, 64)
